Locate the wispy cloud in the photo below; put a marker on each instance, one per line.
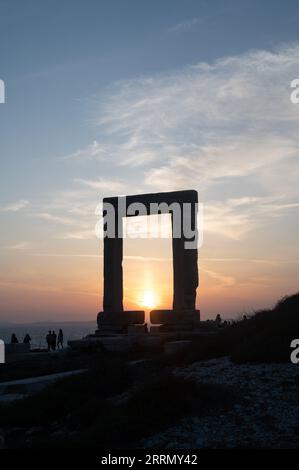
(185, 26)
(15, 206)
(52, 218)
(143, 259)
(222, 279)
(235, 217)
(226, 123)
(94, 150)
(217, 120)
(226, 128)
(88, 234)
(103, 184)
(29, 286)
(21, 246)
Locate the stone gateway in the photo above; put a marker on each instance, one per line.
(183, 316)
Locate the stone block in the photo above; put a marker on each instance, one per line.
(116, 343)
(16, 349)
(154, 330)
(171, 317)
(176, 347)
(136, 330)
(151, 342)
(119, 321)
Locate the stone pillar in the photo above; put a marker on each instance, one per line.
(185, 269)
(178, 262)
(190, 259)
(113, 271)
(113, 320)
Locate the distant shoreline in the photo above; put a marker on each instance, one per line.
(45, 322)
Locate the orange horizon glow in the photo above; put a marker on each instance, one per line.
(69, 286)
(148, 299)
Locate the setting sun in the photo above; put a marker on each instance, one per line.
(148, 299)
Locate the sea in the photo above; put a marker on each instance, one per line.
(38, 331)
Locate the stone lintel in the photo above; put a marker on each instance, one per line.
(187, 196)
(172, 317)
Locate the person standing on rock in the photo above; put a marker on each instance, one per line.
(53, 340)
(49, 339)
(27, 339)
(60, 339)
(14, 339)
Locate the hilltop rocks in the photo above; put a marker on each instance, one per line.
(267, 415)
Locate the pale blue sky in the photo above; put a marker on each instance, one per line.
(57, 54)
(135, 96)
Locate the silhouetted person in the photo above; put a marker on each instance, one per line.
(14, 339)
(145, 328)
(53, 340)
(218, 320)
(48, 340)
(244, 317)
(60, 339)
(27, 339)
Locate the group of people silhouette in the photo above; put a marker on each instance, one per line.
(52, 339)
(15, 340)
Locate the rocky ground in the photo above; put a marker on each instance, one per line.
(266, 416)
(263, 411)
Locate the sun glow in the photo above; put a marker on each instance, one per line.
(148, 299)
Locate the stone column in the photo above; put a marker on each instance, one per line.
(190, 260)
(185, 269)
(113, 271)
(178, 263)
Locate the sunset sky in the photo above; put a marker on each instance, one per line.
(123, 97)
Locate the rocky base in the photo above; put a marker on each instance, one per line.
(266, 417)
(118, 322)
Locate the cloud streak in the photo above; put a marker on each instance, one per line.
(185, 26)
(227, 129)
(15, 206)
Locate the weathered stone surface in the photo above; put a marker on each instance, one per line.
(113, 275)
(185, 269)
(155, 329)
(266, 416)
(118, 322)
(2, 441)
(136, 330)
(150, 342)
(185, 196)
(116, 343)
(175, 317)
(111, 341)
(126, 317)
(176, 347)
(15, 349)
(33, 385)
